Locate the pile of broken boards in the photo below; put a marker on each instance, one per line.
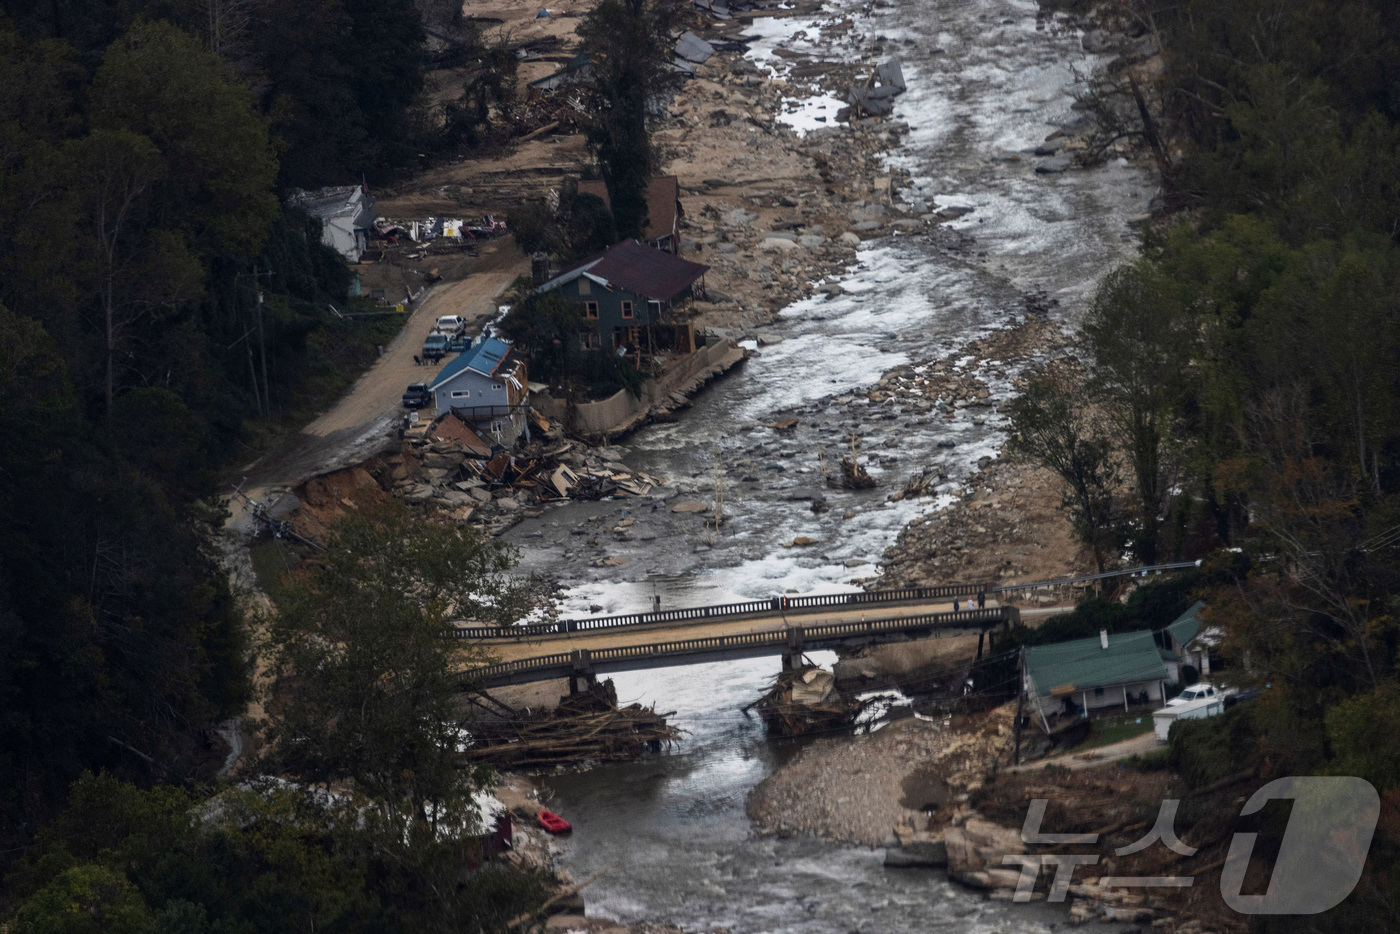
(805, 700)
(448, 465)
(588, 726)
(875, 98)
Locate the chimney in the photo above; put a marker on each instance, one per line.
(1103, 638)
(539, 268)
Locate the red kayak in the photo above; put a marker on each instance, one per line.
(554, 823)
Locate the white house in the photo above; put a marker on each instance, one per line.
(346, 215)
(1184, 642)
(486, 387)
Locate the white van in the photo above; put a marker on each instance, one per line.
(451, 324)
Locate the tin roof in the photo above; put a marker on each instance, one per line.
(484, 358)
(1185, 626)
(652, 273)
(1086, 664)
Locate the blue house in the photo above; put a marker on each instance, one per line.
(487, 387)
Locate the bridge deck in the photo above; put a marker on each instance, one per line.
(692, 629)
(575, 653)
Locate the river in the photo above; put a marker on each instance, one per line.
(985, 87)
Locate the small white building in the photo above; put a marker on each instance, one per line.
(346, 214)
(486, 387)
(1185, 642)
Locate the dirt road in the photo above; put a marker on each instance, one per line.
(360, 423)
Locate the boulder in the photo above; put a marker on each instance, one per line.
(850, 239)
(1053, 166)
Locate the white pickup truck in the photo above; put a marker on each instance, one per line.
(1195, 702)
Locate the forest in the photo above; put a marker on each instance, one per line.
(1238, 401)
(1237, 393)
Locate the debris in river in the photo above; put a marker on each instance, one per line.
(584, 726)
(805, 700)
(853, 475)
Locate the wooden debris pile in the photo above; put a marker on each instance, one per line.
(853, 475)
(805, 700)
(585, 726)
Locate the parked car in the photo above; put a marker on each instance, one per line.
(451, 325)
(417, 396)
(435, 347)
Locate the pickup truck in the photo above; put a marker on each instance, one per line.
(435, 347)
(1195, 702)
(417, 396)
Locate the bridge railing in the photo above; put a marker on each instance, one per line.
(794, 638)
(808, 604)
(767, 607)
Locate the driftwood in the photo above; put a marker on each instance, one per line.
(853, 476)
(588, 725)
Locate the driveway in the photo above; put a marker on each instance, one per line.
(359, 424)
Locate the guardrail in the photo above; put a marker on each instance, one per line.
(810, 604)
(795, 639)
(796, 605)
(1052, 583)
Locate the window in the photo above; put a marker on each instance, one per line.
(590, 310)
(654, 311)
(589, 340)
(585, 287)
(627, 309)
(461, 393)
(1098, 692)
(497, 387)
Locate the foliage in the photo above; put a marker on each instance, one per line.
(580, 226)
(266, 858)
(368, 679)
(1052, 426)
(628, 43)
(118, 639)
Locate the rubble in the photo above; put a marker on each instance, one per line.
(805, 700)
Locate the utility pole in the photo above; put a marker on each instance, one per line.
(262, 352)
(263, 397)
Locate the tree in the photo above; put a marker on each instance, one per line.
(368, 677)
(1141, 341)
(1051, 427)
(628, 45)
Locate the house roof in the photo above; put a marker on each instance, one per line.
(663, 200)
(484, 358)
(1086, 664)
(1185, 626)
(345, 201)
(576, 70)
(641, 269)
(693, 49)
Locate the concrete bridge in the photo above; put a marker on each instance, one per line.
(777, 626)
(580, 657)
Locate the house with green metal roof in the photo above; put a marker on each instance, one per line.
(1187, 641)
(1075, 678)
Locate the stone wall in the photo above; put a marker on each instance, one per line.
(608, 415)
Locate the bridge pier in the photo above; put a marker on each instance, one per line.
(581, 672)
(792, 656)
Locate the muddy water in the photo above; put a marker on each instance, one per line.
(985, 87)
